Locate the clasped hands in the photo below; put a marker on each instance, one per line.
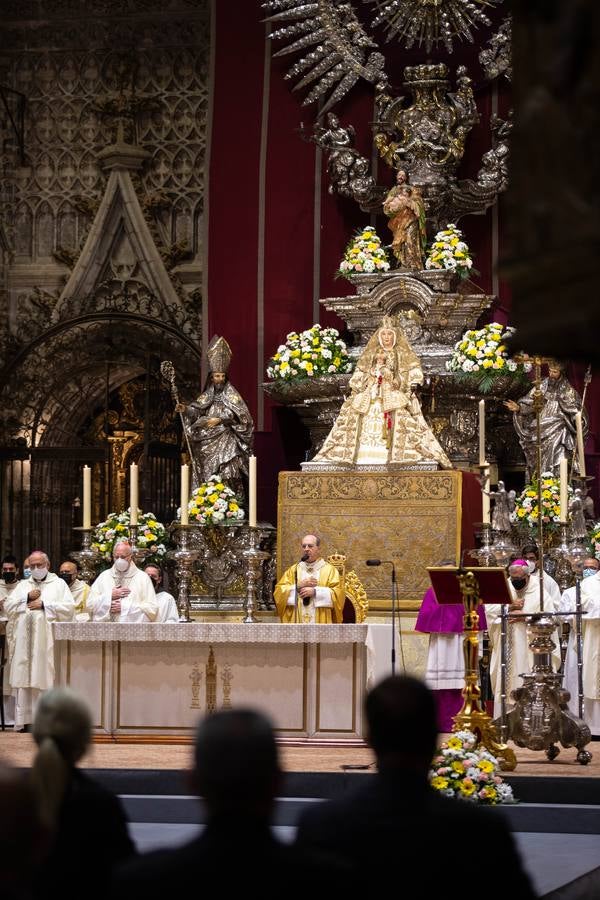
(306, 588)
(34, 599)
(115, 598)
(516, 606)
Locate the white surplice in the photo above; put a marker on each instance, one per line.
(167, 607)
(519, 657)
(31, 645)
(140, 605)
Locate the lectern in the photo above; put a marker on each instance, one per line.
(471, 587)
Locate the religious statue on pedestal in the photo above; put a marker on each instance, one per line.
(406, 220)
(381, 421)
(219, 425)
(561, 403)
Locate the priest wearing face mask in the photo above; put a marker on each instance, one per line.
(591, 708)
(10, 579)
(525, 598)
(69, 573)
(36, 602)
(167, 607)
(590, 604)
(123, 593)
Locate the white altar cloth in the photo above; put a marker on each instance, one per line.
(158, 679)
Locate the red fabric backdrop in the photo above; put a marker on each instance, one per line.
(255, 298)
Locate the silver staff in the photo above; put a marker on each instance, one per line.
(167, 370)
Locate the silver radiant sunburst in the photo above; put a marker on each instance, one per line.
(428, 23)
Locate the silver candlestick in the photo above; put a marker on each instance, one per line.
(255, 557)
(87, 559)
(185, 556)
(485, 554)
(562, 555)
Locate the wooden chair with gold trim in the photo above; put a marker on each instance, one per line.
(356, 605)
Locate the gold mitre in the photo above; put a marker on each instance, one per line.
(219, 354)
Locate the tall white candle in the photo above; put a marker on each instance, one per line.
(482, 432)
(580, 450)
(87, 497)
(185, 494)
(485, 496)
(133, 493)
(252, 491)
(564, 489)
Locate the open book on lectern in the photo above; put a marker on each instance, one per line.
(492, 581)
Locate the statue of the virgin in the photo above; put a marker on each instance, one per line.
(381, 421)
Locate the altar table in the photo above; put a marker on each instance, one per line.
(154, 681)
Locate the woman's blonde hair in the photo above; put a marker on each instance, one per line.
(62, 730)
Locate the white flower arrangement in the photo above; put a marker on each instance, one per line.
(213, 503)
(526, 510)
(151, 535)
(483, 352)
(449, 251)
(364, 253)
(594, 540)
(470, 772)
(308, 354)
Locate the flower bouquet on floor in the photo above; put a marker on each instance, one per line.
(152, 535)
(214, 503)
(364, 255)
(469, 772)
(309, 354)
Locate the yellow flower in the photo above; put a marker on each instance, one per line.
(454, 743)
(521, 512)
(439, 783)
(499, 364)
(119, 527)
(487, 363)
(233, 506)
(219, 486)
(530, 494)
(213, 498)
(458, 767)
(546, 494)
(489, 792)
(485, 765)
(149, 536)
(467, 787)
(295, 353)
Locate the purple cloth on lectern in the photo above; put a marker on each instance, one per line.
(446, 618)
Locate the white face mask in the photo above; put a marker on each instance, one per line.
(39, 574)
(121, 564)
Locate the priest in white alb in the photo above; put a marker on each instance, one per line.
(590, 604)
(31, 608)
(525, 598)
(310, 591)
(122, 593)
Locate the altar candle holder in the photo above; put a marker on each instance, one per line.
(87, 558)
(255, 557)
(185, 556)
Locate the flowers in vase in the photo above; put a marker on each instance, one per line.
(213, 503)
(594, 540)
(448, 251)
(470, 772)
(482, 352)
(151, 535)
(308, 354)
(365, 253)
(526, 511)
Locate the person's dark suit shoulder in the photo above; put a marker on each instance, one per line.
(386, 819)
